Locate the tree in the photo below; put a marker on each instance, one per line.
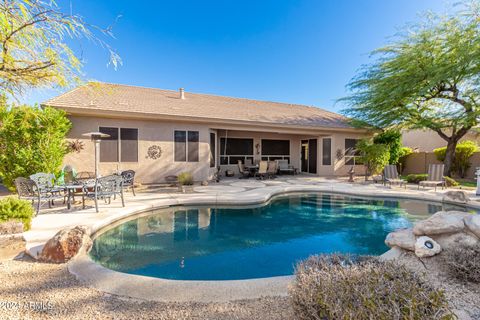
(33, 45)
(393, 139)
(374, 156)
(463, 151)
(429, 78)
(31, 140)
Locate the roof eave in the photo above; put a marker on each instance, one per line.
(153, 116)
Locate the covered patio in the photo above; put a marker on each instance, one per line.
(301, 151)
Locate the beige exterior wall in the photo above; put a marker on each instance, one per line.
(157, 132)
(149, 133)
(428, 140)
(418, 163)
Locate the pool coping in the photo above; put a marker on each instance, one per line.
(166, 290)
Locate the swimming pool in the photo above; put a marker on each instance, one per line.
(209, 243)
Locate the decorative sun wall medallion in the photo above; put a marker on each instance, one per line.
(154, 152)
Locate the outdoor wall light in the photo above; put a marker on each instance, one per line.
(428, 244)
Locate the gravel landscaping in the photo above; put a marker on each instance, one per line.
(31, 290)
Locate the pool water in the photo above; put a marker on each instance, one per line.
(242, 243)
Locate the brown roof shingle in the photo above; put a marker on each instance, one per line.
(148, 101)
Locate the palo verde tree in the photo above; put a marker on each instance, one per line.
(429, 78)
(33, 45)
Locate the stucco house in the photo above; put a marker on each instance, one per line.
(159, 133)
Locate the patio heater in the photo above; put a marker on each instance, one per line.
(96, 137)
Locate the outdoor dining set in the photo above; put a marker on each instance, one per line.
(44, 188)
(265, 169)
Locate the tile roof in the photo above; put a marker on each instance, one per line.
(117, 98)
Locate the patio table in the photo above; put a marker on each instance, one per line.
(72, 188)
(252, 169)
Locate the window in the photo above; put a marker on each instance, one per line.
(351, 153)
(192, 146)
(326, 151)
(129, 145)
(186, 150)
(213, 144)
(109, 146)
(275, 150)
(234, 149)
(121, 146)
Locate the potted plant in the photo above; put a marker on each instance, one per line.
(185, 181)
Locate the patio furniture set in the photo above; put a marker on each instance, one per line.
(265, 169)
(43, 188)
(435, 177)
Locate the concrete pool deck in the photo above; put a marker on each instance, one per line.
(227, 192)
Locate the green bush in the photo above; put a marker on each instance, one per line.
(451, 182)
(392, 139)
(12, 208)
(185, 179)
(402, 159)
(31, 140)
(374, 156)
(338, 287)
(463, 152)
(463, 262)
(416, 178)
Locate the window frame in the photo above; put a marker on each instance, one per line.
(213, 155)
(273, 157)
(351, 159)
(242, 156)
(119, 143)
(186, 145)
(329, 158)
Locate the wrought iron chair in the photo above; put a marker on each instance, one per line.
(105, 188)
(46, 184)
(27, 189)
(128, 177)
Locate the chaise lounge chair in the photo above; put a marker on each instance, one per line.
(284, 167)
(245, 173)
(435, 177)
(390, 176)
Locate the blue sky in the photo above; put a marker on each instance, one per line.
(279, 50)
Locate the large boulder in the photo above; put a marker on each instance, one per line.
(456, 196)
(66, 244)
(426, 247)
(473, 224)
(11, 245)
(403, 238)
(453, 240)
(440, 223)
(11, 227)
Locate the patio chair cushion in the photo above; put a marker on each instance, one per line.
(431, 183)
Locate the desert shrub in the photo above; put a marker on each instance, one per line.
(463, 152)
(463, 262)
(185, 179)
(32, 140)
(374, 156)
(404, 153)
(416, 178)
(15, 209)
(451, 182)
(339, 287)
(393, 140)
